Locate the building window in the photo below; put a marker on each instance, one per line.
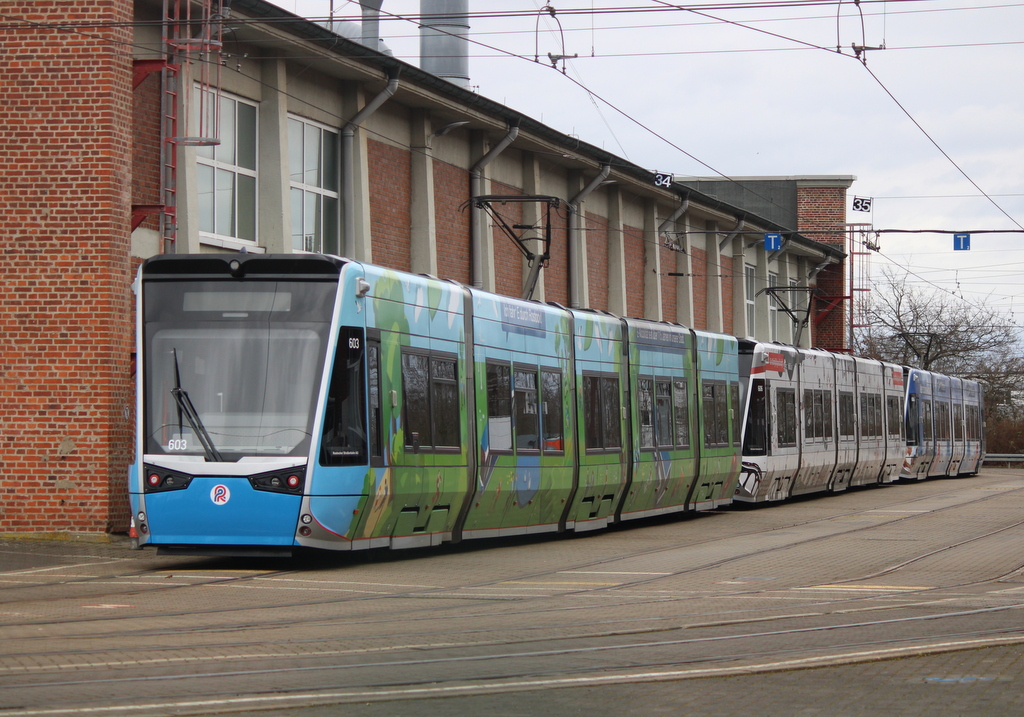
(226, 174)
(750, 283)
(313, 166)
(773, 308)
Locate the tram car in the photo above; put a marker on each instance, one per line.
(306, 400)
(818, 421)
(945, 430)
(311, 401)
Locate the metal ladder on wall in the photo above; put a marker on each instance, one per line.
(191, 48)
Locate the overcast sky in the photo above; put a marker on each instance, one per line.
(744, 90)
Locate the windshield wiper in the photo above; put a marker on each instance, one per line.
(186, 409)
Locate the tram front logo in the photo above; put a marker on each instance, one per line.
(220, 494)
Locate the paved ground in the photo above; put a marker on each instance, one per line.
(902, 600)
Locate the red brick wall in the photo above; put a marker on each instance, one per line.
(821, 212)
(635, 260)
(556, 276)
(668, 284)
(699, 268)
(390, 216)
(65, 332)
(146, 145)
(597, 261)
(451, 192)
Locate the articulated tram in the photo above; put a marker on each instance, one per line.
(311, 401)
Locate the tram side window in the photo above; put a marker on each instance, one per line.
(942, 421)
(373, 369)
(926, 420)
(681, 409)
(552, 420)
(786, 410)
(847, 416)
(344, 432)
(645, 411)
(893, 416)
(525, 400)
(973, 423)
(755, 438)
(430, 389)
(913, 419)
(870, 415)
(715, 403)
(499, 407)
(958, 423)
(735, 414)
(663, 413)
(602, 413)
(817, 415)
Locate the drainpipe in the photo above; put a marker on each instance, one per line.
(348, 163)
(573, 230)
(680, 211)
(477, 217)
(732, 235)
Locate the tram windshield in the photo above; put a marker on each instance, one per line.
(232, 368)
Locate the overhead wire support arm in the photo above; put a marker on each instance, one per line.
(536, 261)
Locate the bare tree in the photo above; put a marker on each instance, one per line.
(940, 331)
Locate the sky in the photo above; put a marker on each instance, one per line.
(932, 126)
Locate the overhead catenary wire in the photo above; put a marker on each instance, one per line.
(737, 5)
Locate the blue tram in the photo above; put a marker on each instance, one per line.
(305, 400)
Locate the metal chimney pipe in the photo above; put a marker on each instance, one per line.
(444, 49)
(371, 23)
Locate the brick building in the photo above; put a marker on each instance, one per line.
(324, 145)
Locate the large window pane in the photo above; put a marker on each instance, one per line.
(246, 141)
(415, 383)
(645, 408)
(527, 430)
(205, 190)
(329, 175)
(610, 413)
(592, 411)
(499, 407)
(246, 228)
(297, 235)
(224, 202)
(226, 149)
(295, 150)
(682, 411)
(552, 421)
(311, 156)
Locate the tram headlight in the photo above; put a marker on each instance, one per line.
(306, 518)
(289, 481)
(161, 479)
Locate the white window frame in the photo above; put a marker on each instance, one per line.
(309, 242)
(221, 161)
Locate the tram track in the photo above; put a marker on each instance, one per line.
(504, 579)
(236, 654)
(409, 614)
(1016, 633)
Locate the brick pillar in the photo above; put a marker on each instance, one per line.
(65, 329)
(821, 213)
